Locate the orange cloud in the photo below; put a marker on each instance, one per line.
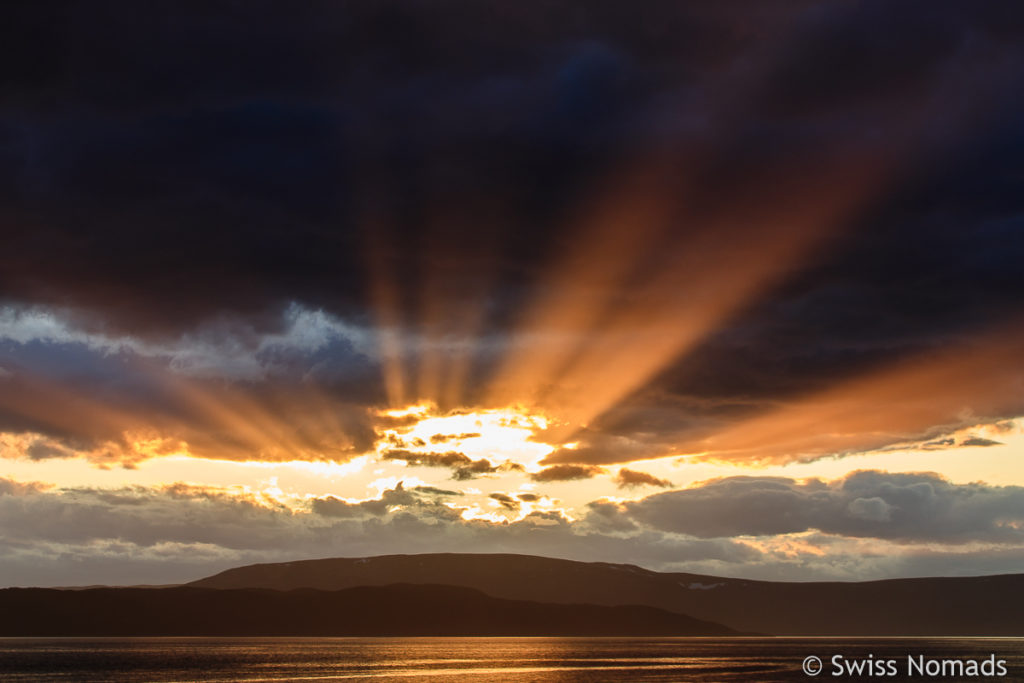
(914, 400)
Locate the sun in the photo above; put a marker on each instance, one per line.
(499, 435)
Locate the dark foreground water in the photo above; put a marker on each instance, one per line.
(466, 660)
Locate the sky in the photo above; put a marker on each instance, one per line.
(715, 287)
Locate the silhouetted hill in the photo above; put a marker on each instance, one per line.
(397, 610)
(989, 605)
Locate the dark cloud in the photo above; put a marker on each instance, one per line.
(871, 52)
(463, 467)
(441, 438)
(608, 518)
(899, 507)
(447, 459)
(956, 441)
(627, 478)
(483, 467)
(980, 441)
(272, 125)
(330, 506)
(41, 449)
(528, 497)
(289, 119)
(189, 199)
(567, 472)
(507, 501)
(432, 490)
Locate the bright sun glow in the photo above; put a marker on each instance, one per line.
(497, 435)
(417, 410)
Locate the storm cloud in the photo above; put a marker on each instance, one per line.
(365, 174)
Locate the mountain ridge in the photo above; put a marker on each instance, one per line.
(926, 606)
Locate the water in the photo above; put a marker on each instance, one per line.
(473, 660)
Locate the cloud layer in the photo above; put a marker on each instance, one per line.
(867, 504)
(743, 526)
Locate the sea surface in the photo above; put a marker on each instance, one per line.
(465, 660)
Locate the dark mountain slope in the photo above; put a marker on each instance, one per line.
(990, 605)
(397, 610)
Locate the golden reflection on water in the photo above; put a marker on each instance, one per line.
(466, 660)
